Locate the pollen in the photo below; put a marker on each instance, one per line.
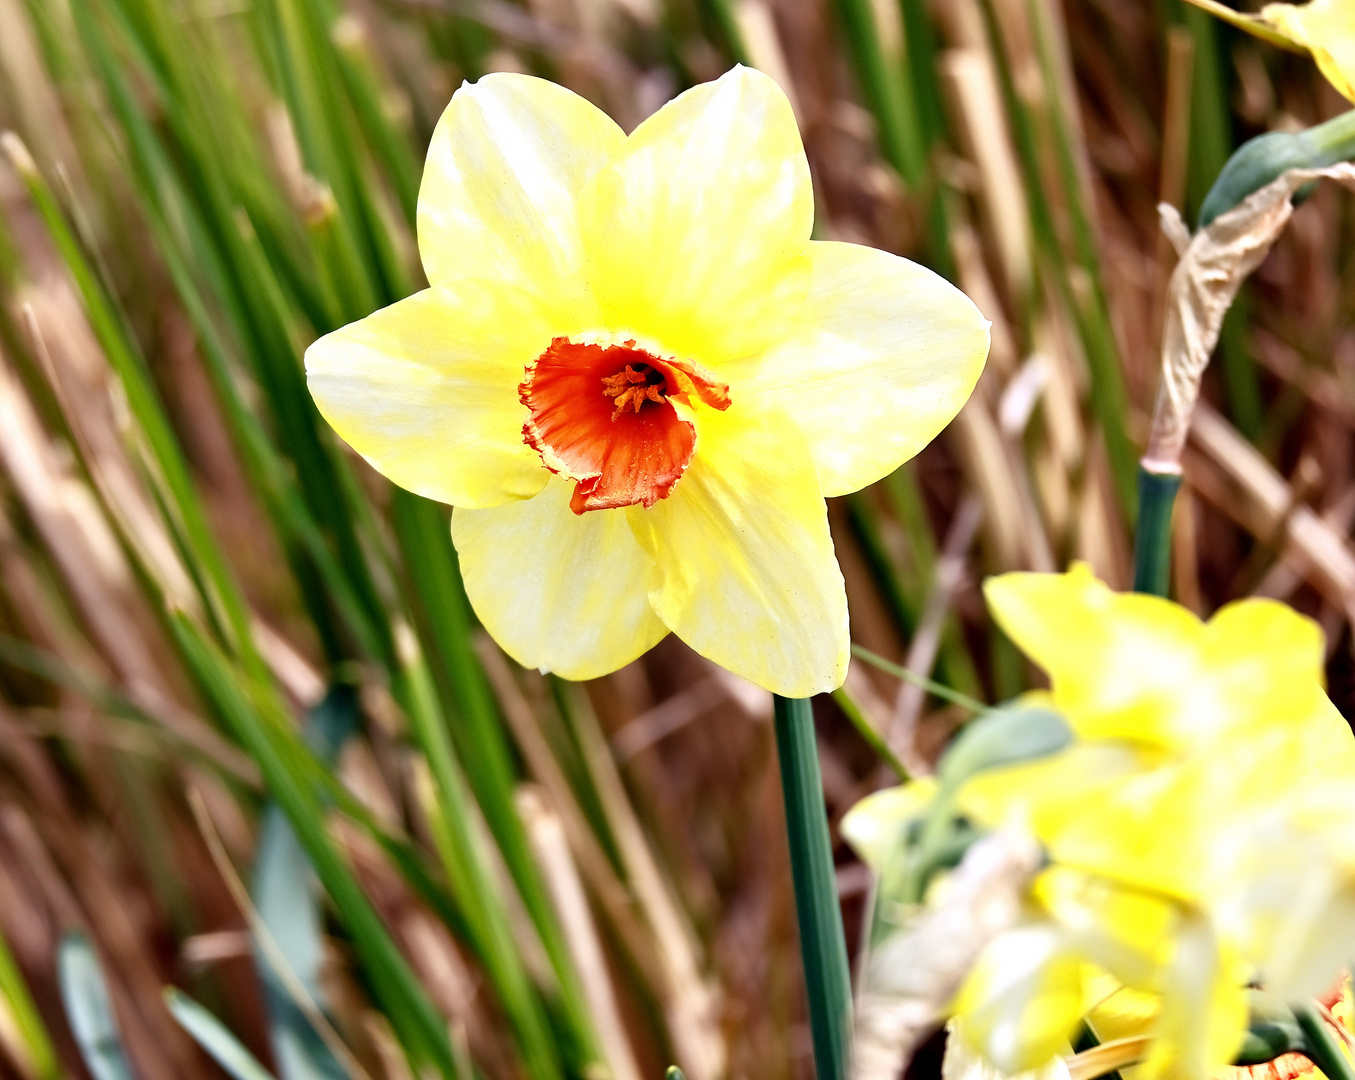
(632, 389)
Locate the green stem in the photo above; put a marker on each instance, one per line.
(823, 946)
(1335, 138)
(1322, 1048)
(1153, 535)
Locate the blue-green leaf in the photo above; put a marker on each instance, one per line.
(89, 1009)
(214, 1037)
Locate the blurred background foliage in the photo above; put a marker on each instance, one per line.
(253, 745)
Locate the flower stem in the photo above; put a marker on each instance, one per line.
(1153, 534)
(823, 947)
(1322, 1048)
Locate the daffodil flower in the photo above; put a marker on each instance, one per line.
(636, 378)
(1198, 830)
(1140, 668)
(1324, 28)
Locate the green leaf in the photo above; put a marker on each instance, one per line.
(945, 693)
(447, 625)
(214, 1037)
(1272, 1030)
(285, 894)
(89, 1009)
(447, 804)
(288, 768)
(1006, 735)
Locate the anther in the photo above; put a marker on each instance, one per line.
(631, 389)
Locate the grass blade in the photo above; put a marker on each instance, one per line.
(279, 754)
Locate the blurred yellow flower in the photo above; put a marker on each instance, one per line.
(636, 378)
(1200, 829)
(1326, 28)
(1141, 668)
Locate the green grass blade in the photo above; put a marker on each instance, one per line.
(867, 731)
(223, 597)
(261, 310)
(364, 89)
(473, 884)
(885, 91)
(945, 693)
(1109, 400)
(280, 756)
(1109, 397)
(438, 597)
(31, 1030)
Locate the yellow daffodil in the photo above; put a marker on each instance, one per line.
(1200, 829)
(1324, 28)
(636, 378)
(1141, 668)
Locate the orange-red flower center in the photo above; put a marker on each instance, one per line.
(602, 413)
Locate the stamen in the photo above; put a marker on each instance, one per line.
(632, 388)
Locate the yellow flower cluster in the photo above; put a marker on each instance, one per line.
(1199, 828)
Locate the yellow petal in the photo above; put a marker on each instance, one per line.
(1327, 29)
(1117, 661)
(875, 826)
(1022, 1000)
(1282, 881)
(1204, 1008)
(426, 390)
(696, 234)
(559, 591)
(1265, 660)
(885, 354)
(1140, 667)
(744, 570)
(1128, 932)
(1120, 1012)
(505, 167)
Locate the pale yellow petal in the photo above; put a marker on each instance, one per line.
(1265, 660)
(1119, 1012)
(505, 168)
(884, 355)
(426, 390)
(874, 827)
(1281, 881)
(558, 591)
(1204, 1008)
(1022, 1001)
(697, 233)
(744, 570)
(1117, 662)
(1327, 29)
(1128, 932)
